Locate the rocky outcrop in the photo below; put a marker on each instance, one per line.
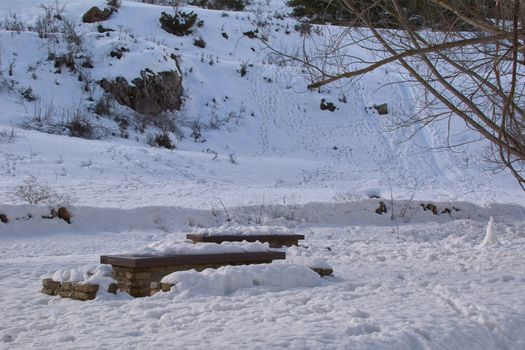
(151, 94)
(95, 14)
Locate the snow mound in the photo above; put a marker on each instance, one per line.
(301, 256)
(229, 279)
(89, 274)
(490, 235)
(243, 231)
(177, 247)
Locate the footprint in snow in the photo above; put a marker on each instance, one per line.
(423, 284)
(359, 314)
(422, 333)
(362, 329)
(507, 278)
(134, 333)
(7, 338)
(67, 338)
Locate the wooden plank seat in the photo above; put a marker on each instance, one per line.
(135, 273)
(275, 241)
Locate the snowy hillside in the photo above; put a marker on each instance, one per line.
(266, 122)
(252, 146)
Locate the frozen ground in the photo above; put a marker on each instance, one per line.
(429, 287)
(421, 281)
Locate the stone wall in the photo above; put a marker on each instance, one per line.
(71, 290)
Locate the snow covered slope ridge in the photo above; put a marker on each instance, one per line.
(240, 138)
(26, 220)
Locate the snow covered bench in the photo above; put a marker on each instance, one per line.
(135, 273)
(275, 236)
(275, 241)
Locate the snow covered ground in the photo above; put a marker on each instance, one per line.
(429, 287)
(415, 281)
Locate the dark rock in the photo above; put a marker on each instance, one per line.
(432, 207)
(327, 106)
(64, 214)
(101, 29)
(95, 14)
(4, 218)
(381, 109)
(252, 34)
(151, 94)
(382, 208)
(323, 272)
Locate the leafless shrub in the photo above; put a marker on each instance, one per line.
(43, 114)
(466, 58)
(347, 197)
(232, 158)
(49, 22)
(165, 121)
(160, 2)
(243, 69)
(79, 125)
(70, 35)
(161, 139)
(409, 209)
(28, 94)
(12, 24)
(217, 212)
(54, 26)
(8, 135)
(114, 3)
(232, 5)
(73, 121)
(199, 42)
(196, 132)
(33, 191)
(288, 208)
(103, 105)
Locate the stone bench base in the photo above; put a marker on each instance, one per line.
(135, 273)
(156, 287)
(71, 290)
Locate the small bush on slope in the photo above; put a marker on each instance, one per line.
(233, 5)
(33, 191)
(161, 140)
(180, 24)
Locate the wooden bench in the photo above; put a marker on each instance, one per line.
(135, 273)
(275, 241)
